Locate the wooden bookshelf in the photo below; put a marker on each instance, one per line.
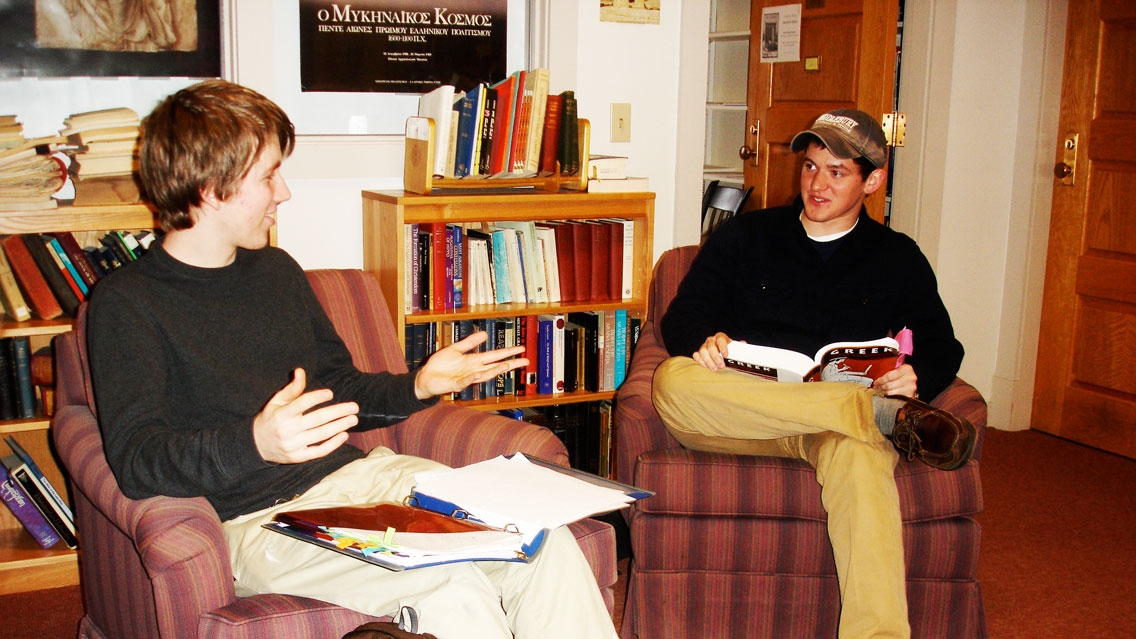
(385, 213)
(24, 566)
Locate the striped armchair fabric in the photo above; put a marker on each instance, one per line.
(159, 567)
(736, 545)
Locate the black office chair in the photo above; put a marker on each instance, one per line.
(720, 203)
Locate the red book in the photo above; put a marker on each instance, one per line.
(615, 272)
(36, 291)
(438, 267)
(582, 260)
(601, 261)
(549, 142)
(503, 125)
(519, 122)
(78, 258)
(527, 327)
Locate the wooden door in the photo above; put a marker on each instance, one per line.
(853, 45)
(1085, 387)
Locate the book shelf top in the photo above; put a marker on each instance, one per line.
(77, 218)
(411, 208)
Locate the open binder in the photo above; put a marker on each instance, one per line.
(497, 510)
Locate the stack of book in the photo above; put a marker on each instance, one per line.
(510, 128)
(29, 174)
(104, 142)
(608, 174)
(34, 500)
(47, 275)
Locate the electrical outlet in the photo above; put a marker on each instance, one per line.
(620, 122)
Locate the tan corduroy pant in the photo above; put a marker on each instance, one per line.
(554, 596)
(831, 426)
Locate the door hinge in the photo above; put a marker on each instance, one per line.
(895, 127)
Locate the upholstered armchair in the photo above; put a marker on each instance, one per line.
(737, 546)
(159, 567)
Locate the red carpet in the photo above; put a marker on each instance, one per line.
(1058, 555)
(1058, 548)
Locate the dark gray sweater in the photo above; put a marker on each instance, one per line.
(183, 358)
(759, 278)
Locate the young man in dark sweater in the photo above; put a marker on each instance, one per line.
(799, 277)
(218, 374)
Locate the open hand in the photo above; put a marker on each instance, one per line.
(290, 429)
(458, 365)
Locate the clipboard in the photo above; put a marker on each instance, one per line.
(375, 533)
(380, 533)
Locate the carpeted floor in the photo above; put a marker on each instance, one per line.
(1058, 548)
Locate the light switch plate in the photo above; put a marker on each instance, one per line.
(620, 122)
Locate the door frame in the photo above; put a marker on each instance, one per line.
(924, 171)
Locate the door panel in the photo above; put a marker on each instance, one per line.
(1085, 390)
(854, 41)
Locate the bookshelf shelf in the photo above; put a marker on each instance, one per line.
(24, 566)
(385, 213)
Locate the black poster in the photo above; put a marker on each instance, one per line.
(407, 46)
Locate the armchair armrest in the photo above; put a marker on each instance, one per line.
(459, 436)
(640, 427)
(177, 540)
(963, 400)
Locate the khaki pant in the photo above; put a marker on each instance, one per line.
(553, 596)
(831, 426)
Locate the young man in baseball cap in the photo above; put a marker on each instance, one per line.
(799, 277)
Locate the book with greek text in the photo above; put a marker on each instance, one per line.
(858, 362)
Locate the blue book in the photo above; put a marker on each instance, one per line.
(467, 119)
(21, 361)
(620, 361)
(501, 265)
(69, 265)
(25, 511)
(544, 328)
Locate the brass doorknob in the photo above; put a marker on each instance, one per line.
(1062, 170)
(745, 152)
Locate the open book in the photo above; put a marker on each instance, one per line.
(859, 362)
(508, 506)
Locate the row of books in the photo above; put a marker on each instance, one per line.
(103, 142)
(48, 275)
(34, 501)
(584, 427)
(579, 351)
(510, 128)
(452, 266)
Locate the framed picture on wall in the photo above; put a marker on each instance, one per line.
(66, 38)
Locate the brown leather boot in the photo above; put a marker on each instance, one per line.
(934, 436)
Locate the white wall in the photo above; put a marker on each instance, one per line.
(980, 85)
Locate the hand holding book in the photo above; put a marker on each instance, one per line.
(858, 362)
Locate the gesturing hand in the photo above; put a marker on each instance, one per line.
(290, 429)
(454, 367)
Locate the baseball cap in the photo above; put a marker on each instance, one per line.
(848, 134)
